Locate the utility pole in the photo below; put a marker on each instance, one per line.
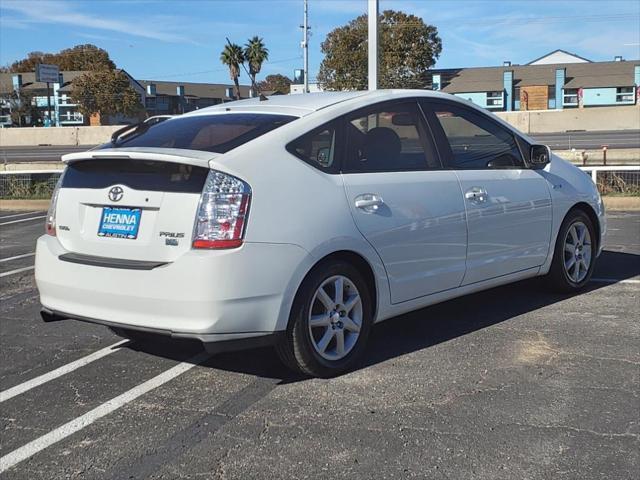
(373, 44)
(305, 45)
(49, 103)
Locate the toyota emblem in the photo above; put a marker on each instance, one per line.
(115, 194)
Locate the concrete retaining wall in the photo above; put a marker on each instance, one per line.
(20, 137)
(38, 136)
(95, 135)
(589, 119)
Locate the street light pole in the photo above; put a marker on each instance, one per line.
(373, 44)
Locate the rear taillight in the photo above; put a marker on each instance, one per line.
(50, 223)
(222, 213)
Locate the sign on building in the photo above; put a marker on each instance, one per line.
(47, 73)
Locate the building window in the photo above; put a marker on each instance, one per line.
(494, 100)
(551, 92)
(435, 82)
(624, 95)
(70, 116)
(551, 97)
(570, 96)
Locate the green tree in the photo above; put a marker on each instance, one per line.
(233, 56)
(407, 48)
(80, 57)
(107, 92)
(255, 53)
(85, 57)
(20, 103)
(275, 82)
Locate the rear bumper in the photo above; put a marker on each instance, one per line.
(212, 296)
(213, 343)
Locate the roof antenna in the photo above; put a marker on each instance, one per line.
(253, 84)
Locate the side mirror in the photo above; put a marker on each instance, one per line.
(540, 156)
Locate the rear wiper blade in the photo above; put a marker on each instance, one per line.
(138, 128)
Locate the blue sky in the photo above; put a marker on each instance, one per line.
(182, 40)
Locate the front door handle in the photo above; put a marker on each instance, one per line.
(476, 195)
(369, 202)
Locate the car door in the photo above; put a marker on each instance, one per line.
(409, 209)
(508, 205)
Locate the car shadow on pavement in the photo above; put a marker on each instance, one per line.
(419, 329)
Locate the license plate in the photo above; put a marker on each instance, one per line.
(120, 222)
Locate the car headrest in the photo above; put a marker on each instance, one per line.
(381, 144)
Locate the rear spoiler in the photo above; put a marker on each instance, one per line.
(138, 127)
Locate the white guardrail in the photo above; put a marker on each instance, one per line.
(608, 168)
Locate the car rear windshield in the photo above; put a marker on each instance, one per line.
(211, 133)
(137, 174)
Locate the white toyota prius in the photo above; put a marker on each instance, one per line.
(300, 221)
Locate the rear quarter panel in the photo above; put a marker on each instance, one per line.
(294, 203)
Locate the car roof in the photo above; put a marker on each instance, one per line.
(300, 105)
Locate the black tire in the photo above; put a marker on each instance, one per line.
(558, 277)
(294, 346)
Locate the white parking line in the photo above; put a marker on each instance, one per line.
(60, 433)
(23, 220)
(614, 280)
(18, 215)
(17, 257)
(58, 372)
(18, 270)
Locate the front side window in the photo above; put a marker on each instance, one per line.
(388, 138)
(476, 142)
(218, 133)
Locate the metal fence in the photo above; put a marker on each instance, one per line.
(28, 184)
(615, 179)
(36, 184)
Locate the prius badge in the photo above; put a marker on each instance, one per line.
(116, 194)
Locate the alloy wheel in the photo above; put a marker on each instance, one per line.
(577, 252)
(335, 318)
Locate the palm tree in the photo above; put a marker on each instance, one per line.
(233, 56)
(255, 53)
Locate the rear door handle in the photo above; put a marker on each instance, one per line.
(369, 202)
(476, 195)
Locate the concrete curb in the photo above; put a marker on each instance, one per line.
(28, 166)
(24, 205)
(610, 203)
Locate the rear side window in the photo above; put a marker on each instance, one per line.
(136, 174)
(317, 148)
(388, 138)
(211, 133)
(477, 143)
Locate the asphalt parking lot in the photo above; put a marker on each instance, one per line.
(513, 383)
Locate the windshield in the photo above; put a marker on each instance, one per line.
(212, 133)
